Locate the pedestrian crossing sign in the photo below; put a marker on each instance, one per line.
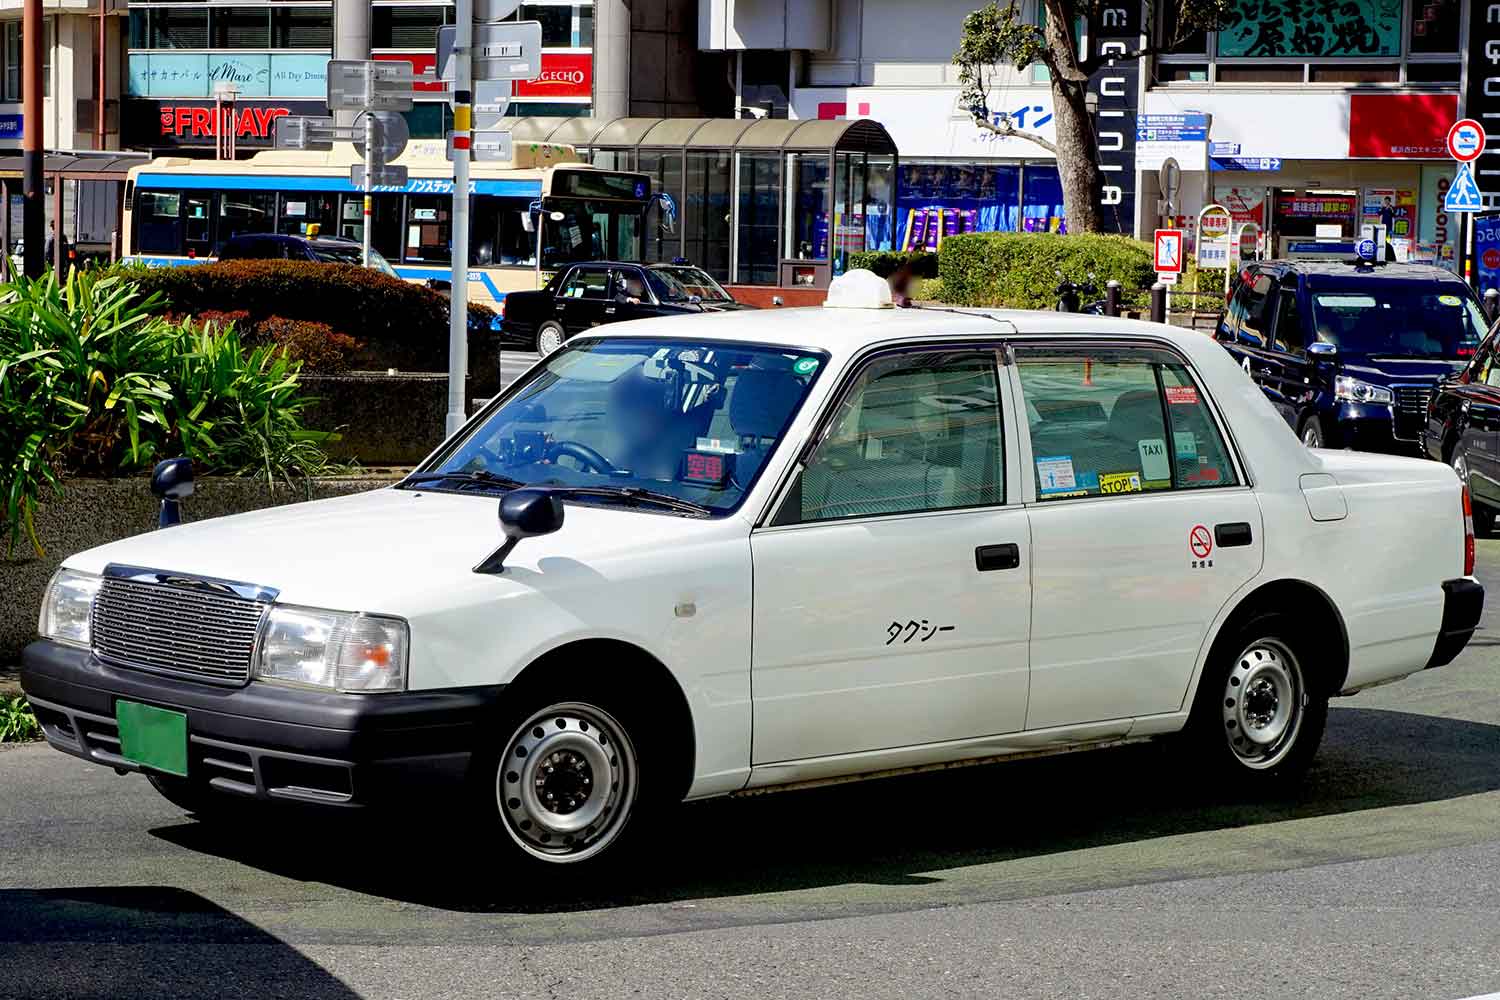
(1463, 194)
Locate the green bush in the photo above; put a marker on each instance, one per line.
(94, 382)
(885, 262)
(17, 722)
(1019, 270)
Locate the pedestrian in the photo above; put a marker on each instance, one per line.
(51, 249)
(900, 281)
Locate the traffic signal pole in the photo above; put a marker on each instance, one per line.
(458, 301)
(34, 205)
(371, 137)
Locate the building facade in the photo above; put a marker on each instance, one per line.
(71, 73)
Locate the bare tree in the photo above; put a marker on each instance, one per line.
(999, 34)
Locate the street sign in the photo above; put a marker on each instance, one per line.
(1168, 256)
(1466, 140)
(302, 132)
(367, 85)
(391, 135)
(1214, 223)
(1246, 163)
(1463, 194)
(386, 176)
(1223, 149)
(509, 51)
(491, 101)
(1181, 137)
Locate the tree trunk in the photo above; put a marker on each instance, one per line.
(1077, 145)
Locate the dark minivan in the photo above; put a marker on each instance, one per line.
(1350, 353)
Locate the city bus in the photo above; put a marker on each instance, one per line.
(528, 217)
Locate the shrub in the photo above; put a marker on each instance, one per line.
(321, 349)
(885, 262)
(93, 382)
(1019, 270)
(17, 722)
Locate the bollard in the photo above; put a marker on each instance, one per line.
(1158, 303)
(1112, 298)
(1492, 303)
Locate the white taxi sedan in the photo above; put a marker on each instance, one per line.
(771, 549)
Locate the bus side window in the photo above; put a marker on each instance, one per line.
(428, 228)
(158, 223)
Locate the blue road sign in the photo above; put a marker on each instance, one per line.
(1246, 162)
(1223, 149)
(1463, 193)
(1191, 127)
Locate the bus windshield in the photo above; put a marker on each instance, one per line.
(588, 230)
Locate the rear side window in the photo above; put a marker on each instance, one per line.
(587, 283)
(1118, 421)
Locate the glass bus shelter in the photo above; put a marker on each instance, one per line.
(752, 201)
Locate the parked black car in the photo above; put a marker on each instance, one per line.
(279, 246)
(1463, 429)
(1351, 353)
(589, 295)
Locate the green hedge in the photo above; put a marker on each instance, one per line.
(396, 323)
(1019, 270)
(885, 262)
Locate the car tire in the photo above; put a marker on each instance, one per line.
(549, 338)
(194, 796)
(1260, 711)
(1311, 432)
(574, 781)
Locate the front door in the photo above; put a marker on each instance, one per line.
(1141, 530)
(892, 600)
(1479, 398)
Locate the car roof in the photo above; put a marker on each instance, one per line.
(848, 331)
(1332, 271)
(337, 241)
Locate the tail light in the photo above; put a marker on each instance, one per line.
(1468, 534)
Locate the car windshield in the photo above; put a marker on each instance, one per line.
(1395, 320)
(695, 281)
(637, 422)
(340, 253)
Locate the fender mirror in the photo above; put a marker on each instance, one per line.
(524, 513)
(171, 482)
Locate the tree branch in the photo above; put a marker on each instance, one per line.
(1007, 129)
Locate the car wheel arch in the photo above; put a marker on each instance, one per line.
(1301, 599)
(652, 682)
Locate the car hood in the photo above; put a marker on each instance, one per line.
(400, 551)
(1384, 370)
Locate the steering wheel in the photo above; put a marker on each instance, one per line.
(581, 453)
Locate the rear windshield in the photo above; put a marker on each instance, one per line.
(1396, 320)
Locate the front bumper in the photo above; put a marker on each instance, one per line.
(265, 741)
(1463, 602)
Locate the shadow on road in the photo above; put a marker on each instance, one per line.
(144, 941)
(882, 832)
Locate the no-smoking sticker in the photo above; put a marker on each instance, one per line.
(1200, 541)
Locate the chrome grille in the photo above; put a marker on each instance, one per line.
(177, 628)
(1411, 410)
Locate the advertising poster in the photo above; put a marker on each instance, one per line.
(1245, 204)
(1486, 251)
(1437, 232)
(1393, 208)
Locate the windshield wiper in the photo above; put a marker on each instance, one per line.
(638, 494)
(478, 477)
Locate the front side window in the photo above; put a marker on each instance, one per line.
(1114, 421)
(1398, 320)
(917, 432)
(606, 418)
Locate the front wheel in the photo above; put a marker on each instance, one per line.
(1259, 714)
(549, 338)
(1312, 432)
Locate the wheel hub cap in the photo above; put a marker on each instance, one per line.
(1262, 706)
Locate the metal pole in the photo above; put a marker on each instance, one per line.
(33, 221)
(351, 40)
(1158, 303)
(370, 137)
(1112, 298)
(458, 296)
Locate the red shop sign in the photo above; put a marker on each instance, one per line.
(182, 121)
(1401, 126)
(564, 74)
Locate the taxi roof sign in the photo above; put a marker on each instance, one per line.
(859, 289)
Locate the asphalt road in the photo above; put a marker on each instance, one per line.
(1094, 875)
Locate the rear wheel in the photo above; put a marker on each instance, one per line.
(549, 338)
(1259, 715)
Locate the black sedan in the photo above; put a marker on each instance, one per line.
(1463, 428)
(589, 295)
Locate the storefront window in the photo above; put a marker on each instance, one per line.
(301, 28)
(557, 23)
(178, 28)
(305, 208)
(1283, 28)
(760, 189)
(937, 198)
(406, 27)
(12, 61)
(1435, 25)
(1042, 200)
(705, 212)
(807, 206)
(241, 27)
(429, 229)
(1297, 214)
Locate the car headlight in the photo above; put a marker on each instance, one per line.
(1354, 391)
(337, 650)
(66, 607)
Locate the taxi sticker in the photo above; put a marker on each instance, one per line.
(805, 366)
(1119, 482)
(1154, 463)
(1187, 444)
(1088, 481)
(1182, 395)
(1055, 474)
(1450, 300)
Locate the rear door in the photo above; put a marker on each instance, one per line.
(1141, 528)
(1288, 383)
(583, 298)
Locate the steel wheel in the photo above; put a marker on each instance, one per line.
(549, 339)
(567, 783)
(1263, 703)
(1312, 434)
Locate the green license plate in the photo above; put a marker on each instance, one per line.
(153, 737)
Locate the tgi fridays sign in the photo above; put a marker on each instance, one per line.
(155, 124)
(1479, 98)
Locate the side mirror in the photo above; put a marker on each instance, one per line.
(171, 482)
(524, 513)
(1322, 351)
